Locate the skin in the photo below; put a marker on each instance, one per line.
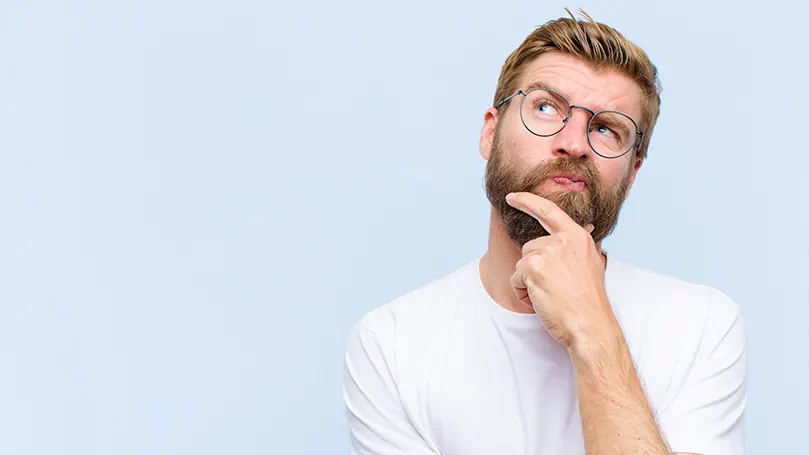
(560, 277)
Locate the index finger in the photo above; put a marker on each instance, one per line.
(549, 215)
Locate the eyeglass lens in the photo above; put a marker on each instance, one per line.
(544, 113)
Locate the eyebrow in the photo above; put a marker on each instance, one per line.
(546, 86)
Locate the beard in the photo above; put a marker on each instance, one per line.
(598, 205)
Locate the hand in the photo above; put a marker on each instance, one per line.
(561, 275)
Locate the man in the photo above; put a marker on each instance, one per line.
(543, 345)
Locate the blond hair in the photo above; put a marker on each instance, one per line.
(598, 45)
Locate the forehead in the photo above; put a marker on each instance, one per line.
(582, 85)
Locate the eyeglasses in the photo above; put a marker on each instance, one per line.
(611, 134)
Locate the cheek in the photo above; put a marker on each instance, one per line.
(524, 148)
(614, 172)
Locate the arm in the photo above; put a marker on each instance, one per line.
(706, 416)
(562, 277)
(377, 422)
(616, 417)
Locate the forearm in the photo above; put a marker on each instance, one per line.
(616, 416)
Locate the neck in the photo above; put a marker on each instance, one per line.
(498, 264)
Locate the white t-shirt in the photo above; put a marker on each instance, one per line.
(446, 370)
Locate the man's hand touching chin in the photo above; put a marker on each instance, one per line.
(562, 277)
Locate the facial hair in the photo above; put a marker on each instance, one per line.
(598, 205)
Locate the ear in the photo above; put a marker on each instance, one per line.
(633, 172)
(487, 133)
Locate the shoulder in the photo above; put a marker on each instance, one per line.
(672, 327)
(421, 311)
(669, 320)
(642, 292)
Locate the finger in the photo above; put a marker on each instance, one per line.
(589, 228)
(517, 281)
(518, 284)
(536, 245)
(549, 215)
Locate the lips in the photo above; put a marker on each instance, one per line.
(570, 181)
(568, 178)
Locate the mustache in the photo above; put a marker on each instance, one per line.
(543, 171)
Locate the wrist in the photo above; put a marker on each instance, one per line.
(597, 336)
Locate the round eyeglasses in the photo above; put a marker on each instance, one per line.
(611, 134)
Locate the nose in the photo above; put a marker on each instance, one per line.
(572, 140)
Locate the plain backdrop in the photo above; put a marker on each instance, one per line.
(199, 199)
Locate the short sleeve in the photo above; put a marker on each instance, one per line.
(377, 422)
(707, 415)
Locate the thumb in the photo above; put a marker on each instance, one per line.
(589, 228)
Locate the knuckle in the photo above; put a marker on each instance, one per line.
(528, 247)
(547, 210)
(526, 265)
(535, 263)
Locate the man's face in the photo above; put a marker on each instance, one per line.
(563, 167)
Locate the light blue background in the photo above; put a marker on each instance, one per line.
(198, 200)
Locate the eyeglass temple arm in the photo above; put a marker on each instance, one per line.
(640, 140)
(506, 99)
